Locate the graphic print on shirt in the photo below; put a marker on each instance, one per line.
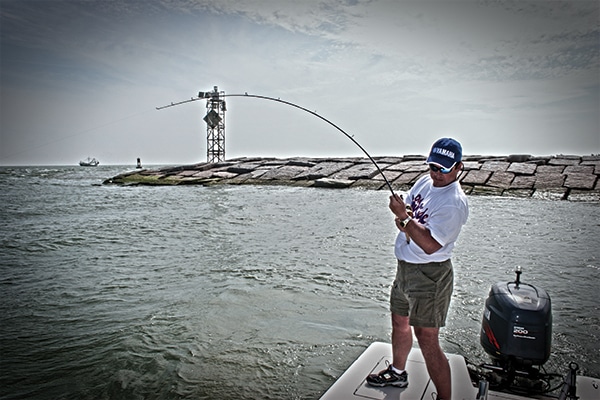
(419, 209)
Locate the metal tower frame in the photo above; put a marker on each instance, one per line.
(215, 126)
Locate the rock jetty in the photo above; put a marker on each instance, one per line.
(561, 177)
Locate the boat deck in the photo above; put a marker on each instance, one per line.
(352, 384)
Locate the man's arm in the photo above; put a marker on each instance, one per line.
(417, 232)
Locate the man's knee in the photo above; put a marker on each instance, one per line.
(427, 336)
(400, 322)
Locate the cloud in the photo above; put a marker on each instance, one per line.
(74, 69)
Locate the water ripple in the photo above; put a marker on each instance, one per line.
(141, 293)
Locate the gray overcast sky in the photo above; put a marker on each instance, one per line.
(83, 78)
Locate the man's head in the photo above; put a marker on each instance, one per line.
(444, 161)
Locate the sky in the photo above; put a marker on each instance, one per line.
(83, 79)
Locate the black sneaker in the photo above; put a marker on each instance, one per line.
(388, 377)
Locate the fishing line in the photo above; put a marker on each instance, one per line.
(351, 137)
(70, 136)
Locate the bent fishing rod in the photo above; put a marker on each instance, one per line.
(217, 96)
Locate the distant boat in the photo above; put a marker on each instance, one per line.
(89, 162)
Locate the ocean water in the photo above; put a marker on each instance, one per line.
(248, 292)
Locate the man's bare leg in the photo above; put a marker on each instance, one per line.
(401, 340)
(435, 360)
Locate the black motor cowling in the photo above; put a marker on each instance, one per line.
(517, 324)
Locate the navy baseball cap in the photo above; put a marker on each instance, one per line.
(445, 152)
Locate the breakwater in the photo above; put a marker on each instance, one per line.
(561, 177)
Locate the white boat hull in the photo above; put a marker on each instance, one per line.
(352, 384)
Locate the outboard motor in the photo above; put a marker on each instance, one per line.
(516, 329)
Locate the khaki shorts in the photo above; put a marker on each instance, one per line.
(422, 292)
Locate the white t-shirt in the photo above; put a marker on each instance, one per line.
(443, 210)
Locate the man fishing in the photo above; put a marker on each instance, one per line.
(421, 292)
